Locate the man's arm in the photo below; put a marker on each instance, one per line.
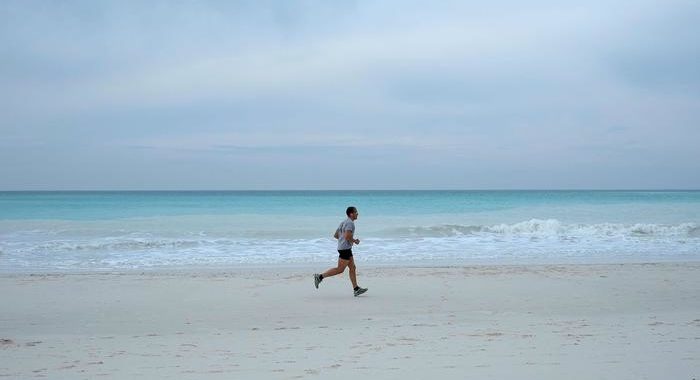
(349, 237)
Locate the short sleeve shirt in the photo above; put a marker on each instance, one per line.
(346, 225)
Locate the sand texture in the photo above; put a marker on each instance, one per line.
(631, 321)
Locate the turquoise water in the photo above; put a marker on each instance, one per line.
(112, 205)
(102, 231)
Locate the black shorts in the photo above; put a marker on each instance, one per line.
(345, 254)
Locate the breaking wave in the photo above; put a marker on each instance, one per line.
(547, 240)
(552, 228)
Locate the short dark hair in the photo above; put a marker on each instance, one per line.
(350, 210)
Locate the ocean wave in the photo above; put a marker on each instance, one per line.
(551, 228)
(533, 228)
(164, 245)
(118, 245)
(546, 235)
(533, 240)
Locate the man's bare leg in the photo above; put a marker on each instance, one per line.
(353, 272)
(342, 264)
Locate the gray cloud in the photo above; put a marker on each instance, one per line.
(453, 95)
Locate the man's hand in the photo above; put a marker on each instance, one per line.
(356, 241)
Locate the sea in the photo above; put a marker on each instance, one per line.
(121, 231)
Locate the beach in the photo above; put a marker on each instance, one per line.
(517, 184)
(611, 321)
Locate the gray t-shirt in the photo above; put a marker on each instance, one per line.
(345, 225)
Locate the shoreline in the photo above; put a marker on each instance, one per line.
(604, 321)
(311, 267)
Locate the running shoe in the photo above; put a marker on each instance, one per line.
(359, 291)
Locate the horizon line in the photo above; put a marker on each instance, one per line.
(341, 190)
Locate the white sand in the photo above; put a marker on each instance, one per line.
(537, 322)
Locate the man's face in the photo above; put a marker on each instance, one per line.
(354, 215)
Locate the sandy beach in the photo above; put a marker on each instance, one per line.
(627, 321)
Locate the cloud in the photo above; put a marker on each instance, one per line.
(355, 59)
(540, 85)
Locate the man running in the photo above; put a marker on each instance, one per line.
(346, 239)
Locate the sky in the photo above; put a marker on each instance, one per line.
(273, 95)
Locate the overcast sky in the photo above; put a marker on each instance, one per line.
(349, 95)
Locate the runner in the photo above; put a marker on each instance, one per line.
(346, 239)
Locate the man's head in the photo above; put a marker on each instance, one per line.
(351, 212)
